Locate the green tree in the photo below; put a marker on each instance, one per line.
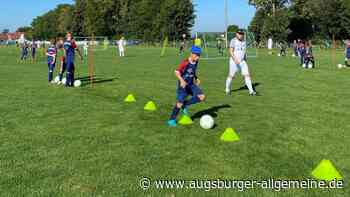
(232, 28)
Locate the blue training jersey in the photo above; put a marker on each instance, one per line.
(348, 50)
(51, 54)
(188, 71)
(70, 47)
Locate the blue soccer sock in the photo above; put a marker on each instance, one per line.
(175, 112)
(50, 75)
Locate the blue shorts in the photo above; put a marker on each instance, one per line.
(192, 90)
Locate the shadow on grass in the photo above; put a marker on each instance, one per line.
(95, 80)
(245, 87)
(211, 111)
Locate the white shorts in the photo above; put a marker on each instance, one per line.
(243, 67)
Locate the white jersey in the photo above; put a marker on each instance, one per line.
(270, 43)
(121, 44)
(86, 45)
(239, 47)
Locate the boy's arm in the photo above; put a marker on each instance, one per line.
(77, 48)
(232, 52)
(178, 72)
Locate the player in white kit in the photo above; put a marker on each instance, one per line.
(238, 62)
(121, 44)
(86, 47)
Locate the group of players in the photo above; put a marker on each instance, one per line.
(188, 81)
(303, 50)
(186, 73)
(69, 46)
(25, 50)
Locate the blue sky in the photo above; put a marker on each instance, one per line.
(210, 13)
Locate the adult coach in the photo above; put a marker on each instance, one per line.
(238, 62)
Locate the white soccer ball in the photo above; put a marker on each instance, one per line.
(207, 122)
(340, 66)
(77, 83)
(64, 80)
(311, 65)
(57, 79)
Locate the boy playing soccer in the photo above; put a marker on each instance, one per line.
(187, 85)
(238, 61)
(51, 60)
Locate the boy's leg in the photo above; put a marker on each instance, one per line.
(69, 73)
(51, 69)
(197, 97)
(347, 62)
(231, 75)
(247, 78)
(181, 96)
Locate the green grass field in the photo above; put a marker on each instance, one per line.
(88, 142)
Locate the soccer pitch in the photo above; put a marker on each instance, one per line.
(86, 141)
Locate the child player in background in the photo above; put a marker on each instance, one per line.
(347, 53)
(309, 60)
(34, 47)
(187, 85)
(24, 52)
(121, 45)
(51, 59)
(182, 44)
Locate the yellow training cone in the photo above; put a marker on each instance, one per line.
(229, 135)
(326, 171)
(150, 106)
(130, 98)
(185, 120)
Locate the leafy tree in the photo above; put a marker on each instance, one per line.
(232, 28)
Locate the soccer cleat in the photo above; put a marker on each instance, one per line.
(172, 123)
(253, 94)
(227, 93)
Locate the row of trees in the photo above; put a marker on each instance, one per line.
(305, 19)
(149, 20)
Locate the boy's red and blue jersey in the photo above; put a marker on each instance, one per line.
(188, 71)
(70, 47)
(348, 50)
(51, 54)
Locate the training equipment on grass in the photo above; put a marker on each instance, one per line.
(165, 45)
(130, 99)
(185, 120)
(229, 135)
(150, 106)
(64, 80)
(77, 83)
(340, 66)
(206, 122)
(326, 171)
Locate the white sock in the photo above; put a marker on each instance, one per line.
(228, 84)
(248, 83)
